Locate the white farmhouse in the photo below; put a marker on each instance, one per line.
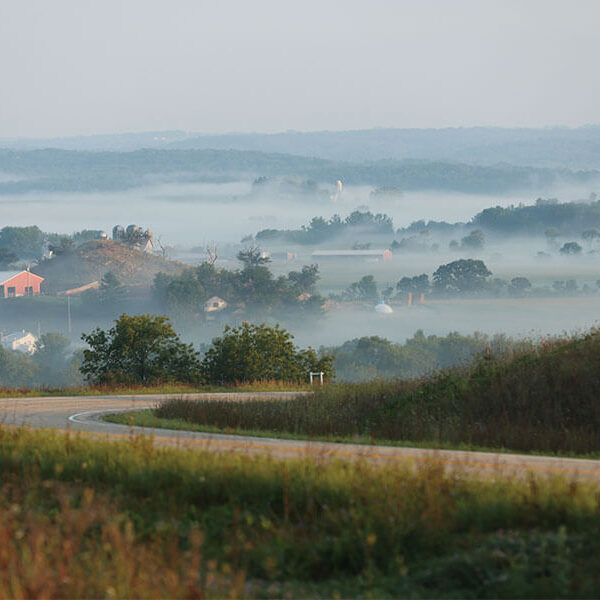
(23, 341)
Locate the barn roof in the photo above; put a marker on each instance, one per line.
(9, 338)
(6, 275)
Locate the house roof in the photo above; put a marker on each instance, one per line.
(15, 336)
(6, 275)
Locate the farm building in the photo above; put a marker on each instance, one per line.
(383, 309)
(23, 341)
(352, 254)
(19, 283)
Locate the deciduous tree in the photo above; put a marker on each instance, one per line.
(139, 349)
(258, 352)
(461, 276)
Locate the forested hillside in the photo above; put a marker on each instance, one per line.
(69, 171)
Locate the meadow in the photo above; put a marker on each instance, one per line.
(543, 399)
(83, 518)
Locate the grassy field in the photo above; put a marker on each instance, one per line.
(82, 518)
(544, 400)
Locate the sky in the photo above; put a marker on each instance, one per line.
(80, 67)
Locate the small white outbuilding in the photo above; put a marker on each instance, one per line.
(383, 308)
(215, 304)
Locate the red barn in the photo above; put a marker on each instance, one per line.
(19, 283)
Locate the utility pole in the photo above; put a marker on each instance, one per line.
(69, 314)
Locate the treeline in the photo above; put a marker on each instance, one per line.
(463, 277)
(374, 357)
(321, 230)
(481, 145)
(547, 217)
(28, 242)
(146, 350)
(64, 170)
(572, 218)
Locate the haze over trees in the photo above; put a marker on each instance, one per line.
(253, 288)
(374, 357)
(52, 170)
(53, 365)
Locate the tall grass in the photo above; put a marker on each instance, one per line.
(546, 399)
(86, 518)
(170, 388)
(62, 541)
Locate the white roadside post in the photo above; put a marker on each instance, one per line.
(313, 375)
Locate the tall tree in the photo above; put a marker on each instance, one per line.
(7, 257)
(571, 249)
(252, 256)
(26, 242)
(474, 241)
(53, 358)
(305, 280)
(139, 349)
(364, 290)
(258, 352)
(416, 285)
(111, 289)
(461, 276)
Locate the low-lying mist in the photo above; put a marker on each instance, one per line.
(188, 215)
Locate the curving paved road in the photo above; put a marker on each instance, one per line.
(83, 414)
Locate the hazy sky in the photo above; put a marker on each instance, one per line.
(99, 66)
